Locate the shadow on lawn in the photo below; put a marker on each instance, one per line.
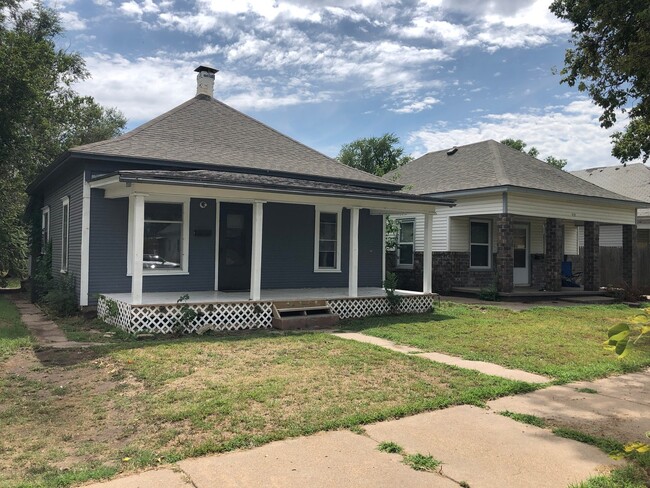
(54, 357)
(390, 320)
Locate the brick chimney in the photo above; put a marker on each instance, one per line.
(205, 80)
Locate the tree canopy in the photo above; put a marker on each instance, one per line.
(376, 155)
(609, 61)
(40, 114)
(520, 145)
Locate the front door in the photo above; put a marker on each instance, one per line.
(521, 255)
(235, 242)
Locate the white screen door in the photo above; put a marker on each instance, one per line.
(521, 268)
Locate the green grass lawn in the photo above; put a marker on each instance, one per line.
(562, 342)
(13, 334)
(71, 416)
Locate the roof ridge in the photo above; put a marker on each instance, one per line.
(499, 168)
(302, 144)
(140, 128)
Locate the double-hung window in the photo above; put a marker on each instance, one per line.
(165, 239)
(65, 233)
(45, 228)
(480, 244)
(327, 252)
(405, 243)
(163, 236)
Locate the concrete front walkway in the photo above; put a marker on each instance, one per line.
(45, 332)
(477, 446)
(480, 366)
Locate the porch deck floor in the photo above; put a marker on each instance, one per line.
(285, 294)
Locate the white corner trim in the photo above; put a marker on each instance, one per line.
(339, 222)
(383, 248)
(85, 243)
(353, 271)
(216, 245)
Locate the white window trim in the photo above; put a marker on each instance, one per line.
(185, 238)
(339, 224)
(399, 241)
(45, 230)
(489, 243)
(65, 235)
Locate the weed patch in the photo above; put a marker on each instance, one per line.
(525, 418)
(420, 462)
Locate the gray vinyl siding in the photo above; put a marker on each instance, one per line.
(66, 185)
(108, 250)
(288, 249)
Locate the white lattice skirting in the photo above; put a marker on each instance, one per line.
(163, 319)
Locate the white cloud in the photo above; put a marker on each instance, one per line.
(147, 87)
(414, 106)
(134, 8)
(571, 132)
(71, 21)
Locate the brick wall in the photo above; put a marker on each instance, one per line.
(505, 253)
(553, 255)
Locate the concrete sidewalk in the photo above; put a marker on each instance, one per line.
(45, 332)
(476, 446)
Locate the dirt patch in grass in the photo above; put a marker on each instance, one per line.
(75, 415)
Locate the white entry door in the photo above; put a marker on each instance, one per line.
(521, 268)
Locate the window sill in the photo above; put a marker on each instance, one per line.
(162, 273)
(404, 266)
(480, 268)
(319, 270)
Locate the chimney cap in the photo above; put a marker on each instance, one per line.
(206, 68)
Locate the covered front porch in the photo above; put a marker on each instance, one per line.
(162, 312)
(202, 245)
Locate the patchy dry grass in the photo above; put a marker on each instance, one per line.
(13, 334)
(72, 416)
(561, 342)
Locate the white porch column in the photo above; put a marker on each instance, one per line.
(426, 258)
(256, 259)
(137, 248)
(383, 249)
(353, 279)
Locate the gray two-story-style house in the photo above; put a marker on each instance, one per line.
(207, 202)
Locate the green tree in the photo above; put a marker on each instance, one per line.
(376, 155)
(609, 61)
(40, 114)
(520, 145)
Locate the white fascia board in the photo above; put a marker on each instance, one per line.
(121, 190)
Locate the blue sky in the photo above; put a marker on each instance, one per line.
(437, 73)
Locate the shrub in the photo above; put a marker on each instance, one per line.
(61, 297)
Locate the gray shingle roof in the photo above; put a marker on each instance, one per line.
(632, 180)
(206, 131)
(245, 180)
(486, 165)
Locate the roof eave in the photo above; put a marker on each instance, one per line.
(234, 169)
(519, 189)
(406, 198)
